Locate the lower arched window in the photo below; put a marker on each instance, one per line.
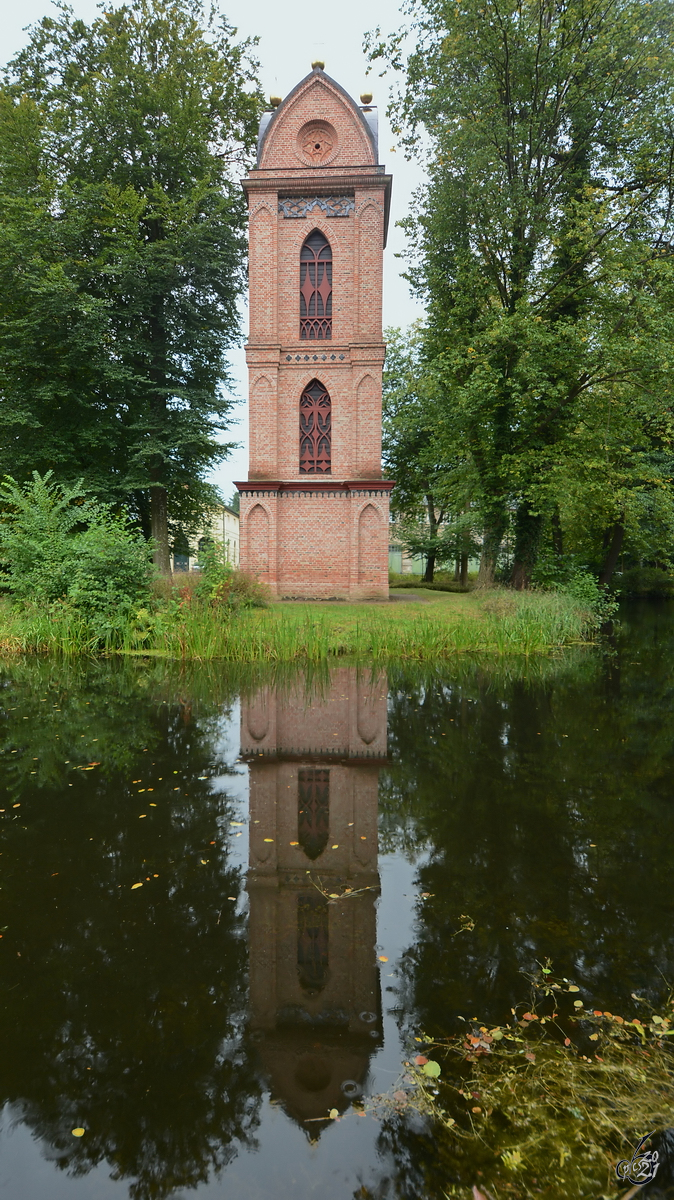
(315, 430)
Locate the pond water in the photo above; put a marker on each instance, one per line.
(312, 852)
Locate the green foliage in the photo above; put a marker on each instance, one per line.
(431, 500)
(567, 575)
(225, 585)
(645, 581)
(122, 246)
(541, 244)
(57, 545)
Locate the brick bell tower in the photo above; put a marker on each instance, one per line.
(315, 508)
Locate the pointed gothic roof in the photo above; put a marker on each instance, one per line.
(365, 117)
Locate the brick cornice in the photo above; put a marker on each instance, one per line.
(296, 180)
(305, 353)
(314, 484)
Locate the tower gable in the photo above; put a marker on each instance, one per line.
(317, 125)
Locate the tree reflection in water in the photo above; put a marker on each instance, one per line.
(545, 805)
(123, 1011)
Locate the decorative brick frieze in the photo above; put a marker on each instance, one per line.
(298, 208)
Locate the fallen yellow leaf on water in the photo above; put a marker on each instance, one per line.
(135, 885)
(141, 816)
(78, 1131)
(336, 846)
(333, 895)
(333, 1114)
(383, 958)
(294, 843)
(268, 839)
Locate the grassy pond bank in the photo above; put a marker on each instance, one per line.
(419, 626)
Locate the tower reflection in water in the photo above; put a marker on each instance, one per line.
(313, 883)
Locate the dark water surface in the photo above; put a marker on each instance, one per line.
(200, 1027)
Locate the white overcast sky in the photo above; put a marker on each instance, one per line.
(291, 35)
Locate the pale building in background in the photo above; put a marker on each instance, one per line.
(223, 527)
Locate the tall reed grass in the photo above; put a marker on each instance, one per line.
(498, 623)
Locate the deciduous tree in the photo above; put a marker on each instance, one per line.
(542, 240)
(122, 256)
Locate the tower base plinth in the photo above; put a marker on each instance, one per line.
(319, 540)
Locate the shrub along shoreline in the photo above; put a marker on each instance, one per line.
(438, 627)
(78, 580)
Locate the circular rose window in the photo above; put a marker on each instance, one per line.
(317, 143)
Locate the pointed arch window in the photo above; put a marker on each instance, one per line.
(315, 430)
(313, 810)
(312, 942)
(316, 288)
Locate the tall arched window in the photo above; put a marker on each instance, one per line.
(316, 288)
(315, 430)
(313, 810)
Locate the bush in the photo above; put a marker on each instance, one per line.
(58, 546)
(566, 574)
(650, 582)
(222, 584)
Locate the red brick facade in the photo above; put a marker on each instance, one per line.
(316, 535)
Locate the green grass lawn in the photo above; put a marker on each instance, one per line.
(435, 626)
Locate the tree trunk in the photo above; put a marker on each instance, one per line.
(142, 501)
(457, 570)
(159, 527)
(158, 402)
(615, 542)
(557, 538)
(495, 527)
(433, 532)
(527, 536)
(463, 577)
